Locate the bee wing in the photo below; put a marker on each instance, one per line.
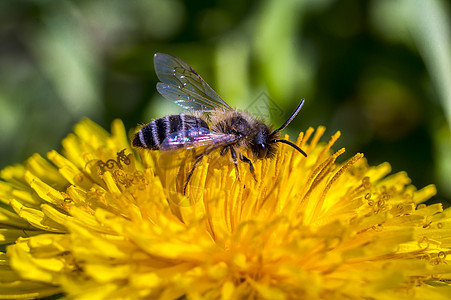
(181, 84)
(195, 137)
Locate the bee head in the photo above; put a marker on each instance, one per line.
(262, 145)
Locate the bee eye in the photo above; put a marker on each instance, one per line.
(262, 151)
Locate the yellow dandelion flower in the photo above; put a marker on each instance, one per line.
(100, 221)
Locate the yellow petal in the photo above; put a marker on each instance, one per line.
(36, 218)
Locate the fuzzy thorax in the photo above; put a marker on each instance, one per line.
(254, 134)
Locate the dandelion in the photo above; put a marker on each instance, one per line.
(100, 221)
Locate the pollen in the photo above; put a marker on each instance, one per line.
(101, 220)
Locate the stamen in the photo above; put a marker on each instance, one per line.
(337, 175)
(318, 134)
(329, 145)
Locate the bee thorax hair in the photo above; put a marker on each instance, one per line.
(254, 134)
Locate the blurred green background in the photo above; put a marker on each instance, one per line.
(379, 71)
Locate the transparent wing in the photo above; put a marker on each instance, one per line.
(181, 84)
(195, 137)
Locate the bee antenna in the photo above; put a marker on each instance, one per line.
(292, 117)
(290, 144)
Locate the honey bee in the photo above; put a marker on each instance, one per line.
(210, 123)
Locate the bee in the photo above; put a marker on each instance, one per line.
(210, 123)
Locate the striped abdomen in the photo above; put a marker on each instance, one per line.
(152, 135)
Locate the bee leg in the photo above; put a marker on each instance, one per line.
(223, 151)
(251, 166)
(235, 162)
(196, 163)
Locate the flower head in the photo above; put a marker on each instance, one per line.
(101, 221)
